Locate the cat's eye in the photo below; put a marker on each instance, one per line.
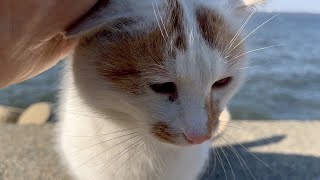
(222, 83)
(164, 88)
(168, 88)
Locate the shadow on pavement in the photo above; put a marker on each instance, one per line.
(260, 166)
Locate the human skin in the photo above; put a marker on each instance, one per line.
(31, 35)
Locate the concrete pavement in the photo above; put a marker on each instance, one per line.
(261, 150)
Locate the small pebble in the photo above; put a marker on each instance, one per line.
(36, 114)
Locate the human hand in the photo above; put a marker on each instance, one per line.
(31, 38)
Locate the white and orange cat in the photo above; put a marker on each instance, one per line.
(146, 85)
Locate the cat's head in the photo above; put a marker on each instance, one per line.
(170, 66)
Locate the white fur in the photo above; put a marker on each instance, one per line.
(91, 107)
(155, 161)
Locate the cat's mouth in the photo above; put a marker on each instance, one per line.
(164, 133)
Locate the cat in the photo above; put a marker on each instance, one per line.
(143, 93)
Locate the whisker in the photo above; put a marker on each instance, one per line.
(105, 151)
(104, 142)
(244, 130)
(191, 37)
(158, 22)
(215, 163)
(101, 135)
(164, 27)
(225, 155)
(221, 162)
(85, 115)
(119, 155)
(240, 158)
(253, 67)
(251, 51)
(252, 33)
(261, 161)
(130, 157)
(241, 28)
(207, 165)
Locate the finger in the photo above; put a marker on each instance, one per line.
(50, 54)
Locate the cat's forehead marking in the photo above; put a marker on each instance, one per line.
(175, 24)
(127, 60)
(217, 32)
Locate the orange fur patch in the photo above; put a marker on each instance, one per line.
(129, 58)
(162, 131)
(216, 32)
(213, 113)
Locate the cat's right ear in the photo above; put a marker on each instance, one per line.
(249, 5)
(105, 12)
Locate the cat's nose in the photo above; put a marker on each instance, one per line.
(197, 139)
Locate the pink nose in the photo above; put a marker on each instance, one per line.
(197, 139)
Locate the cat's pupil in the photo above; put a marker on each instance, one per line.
(222, 83)
(168, 88)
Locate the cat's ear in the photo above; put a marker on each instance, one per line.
(252, 3)
(104, 13)
(248, 5)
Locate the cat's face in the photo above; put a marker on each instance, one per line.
(170, 66)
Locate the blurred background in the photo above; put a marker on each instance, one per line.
(283, 82)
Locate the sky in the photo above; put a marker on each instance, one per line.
(308, 6)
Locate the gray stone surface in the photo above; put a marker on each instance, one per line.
(28, 153)
(271, 150)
